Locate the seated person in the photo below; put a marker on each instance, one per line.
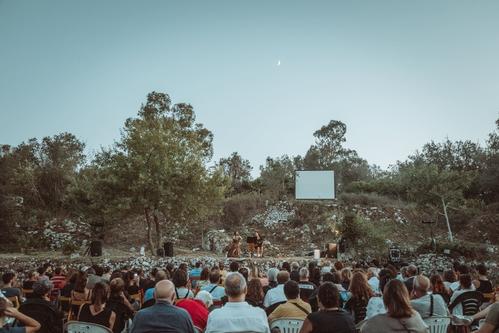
(196, 309)
(149, 294)
(119, 304)
(330, 318)
(276, 295)
(181, 281)
(9, 280)
(6, 310)
(195, 274)
(98, 312)
(32, 278)
(464, 286)
(491, 324)
(482, 283)
(307, 288)
(295, 307)
(426, 304)
(237, 315)
(39, 308)
(216, 291)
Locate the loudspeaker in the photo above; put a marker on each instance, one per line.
(95, 248)
(168, 248)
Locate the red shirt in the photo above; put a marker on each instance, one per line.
(59, 281)
(197, 310)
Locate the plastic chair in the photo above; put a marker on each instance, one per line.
(437, 324)
(287, 325)
(82, 327)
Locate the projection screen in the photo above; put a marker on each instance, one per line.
(314, 185)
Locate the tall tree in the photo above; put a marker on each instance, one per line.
(238, 170)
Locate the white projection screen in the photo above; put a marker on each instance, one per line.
(314, 185)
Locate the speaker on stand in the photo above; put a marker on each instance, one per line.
(168, 249)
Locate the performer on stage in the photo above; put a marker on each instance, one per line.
(235, 246)
(259, 245)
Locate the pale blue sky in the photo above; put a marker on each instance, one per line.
(398, 73)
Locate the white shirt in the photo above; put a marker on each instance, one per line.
(274, 295)
(237, 317)
(454, 286)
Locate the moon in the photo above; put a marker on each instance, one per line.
(278, 62)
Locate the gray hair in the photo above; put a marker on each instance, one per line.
(205, 297)
(295, 266)
(235, 284)
(304, 273)
(272, 274)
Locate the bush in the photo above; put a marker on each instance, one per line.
(240, 208)
(69, 248)
(369, 200)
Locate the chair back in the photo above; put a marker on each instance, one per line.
(82, 327)
(437, 324)
(15, 301)
(470, 301)
(287, 325)
(27, 292)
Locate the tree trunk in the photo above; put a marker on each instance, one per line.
(158, 229)
(444, 205)
(149, 230)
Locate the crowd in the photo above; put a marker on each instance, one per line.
(333, 297)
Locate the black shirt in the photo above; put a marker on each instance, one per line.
(334, 321)
(485, 287)
(101, 318)
(306, 290)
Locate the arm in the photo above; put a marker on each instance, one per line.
(486, 328)
(112, 319)
(30, 324)
(306, 327)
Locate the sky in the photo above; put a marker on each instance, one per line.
(261, 75)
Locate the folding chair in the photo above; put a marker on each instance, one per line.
(437, 324)
(287, 325)
(82, 327)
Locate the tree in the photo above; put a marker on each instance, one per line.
(238, 170)
(277, 176)
(159, 166)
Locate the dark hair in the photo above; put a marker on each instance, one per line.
(465, 280)
(327, 277)
(329, 295)
(198, 264)
(58, 270)
(338, 265)
(41, 288)
(183, 266)
(482, 269)
(286, 266)
(205, 274)
(282, 277)
(336, 278)
(244, 272)
(384, 276)
(295, 276)
(234, 266)
(8, 277)
(98, 270)
(450, 276)
(99, 294)
(291, 289)
(396, 299)
(180, 278)
(437, 284)
(463, 269)
(215, 276)
(315, 276)
(81, 282)
(41, 270)
(117, 286)
(255, 290)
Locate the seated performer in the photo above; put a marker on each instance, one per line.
(235, 246)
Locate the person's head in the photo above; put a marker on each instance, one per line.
(384, 276)
(421, 285)
(481, 269)
(99, 270)
(205, 274)
(198, 264)
(282, 277)
(33, 275)
(329, 295)
(205, 297)
(372, 272)
(255, 290)
(215, 276)
(9, 278)
(315, 275)
(100, 293)
(465, 281)
(437, 284)
(180, 278)
(450, 275)
(359, 287)
(165, 291)
(295, 266)
(41, 270)
(327, 277)
(117, 286)
(346, 274)
(81, 281)
(161, 275)
(286, 266)
(234, 266)
(304, 274)
(336, 277)
(58, 270)
(412, 270)
(183, 266)
(396, 299)
(235, 285)
(272, 274)
(338, 265)
(244, 272)
(41, 289)
(291, 290)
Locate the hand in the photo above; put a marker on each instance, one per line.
(12, 312)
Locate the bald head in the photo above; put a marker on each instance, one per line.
(164, 290)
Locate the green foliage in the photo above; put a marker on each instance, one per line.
(238, 170)
(363, 235)
(69, 248)
(241, 208)
(277, 177)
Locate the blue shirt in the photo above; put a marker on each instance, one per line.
(216, 291)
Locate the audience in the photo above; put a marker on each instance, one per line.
(237, 315)
(216, 291)
(400, 316)
(197, 309)
(120, 304)
(438, 287)
(360, 293)
(6, 310)
(97, 312)
(307, 288)
(255, 293)
(411, 273)
(163, 316)
(465, 285)
(427, 304)
(330, 318)
(482, 283)
(294, 307)
(276, 295)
